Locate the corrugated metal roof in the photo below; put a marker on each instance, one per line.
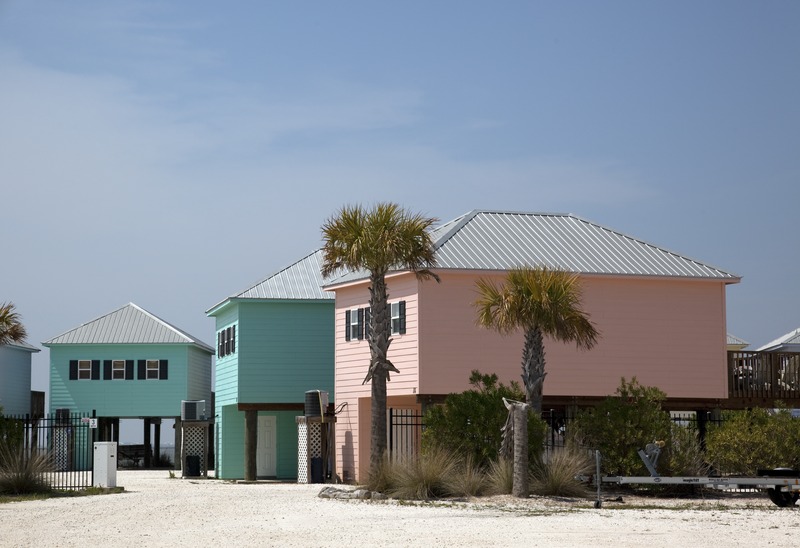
(498, 240)
(791, 338)
(22, 345)
(299, 281)
(130, 324)
(736, 341)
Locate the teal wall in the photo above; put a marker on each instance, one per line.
(283, 349)
(189, 377)
(15, 380)
(230, 443)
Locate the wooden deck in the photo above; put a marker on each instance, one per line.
(761, 379)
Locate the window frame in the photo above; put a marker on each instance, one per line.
(81, 370)
(114, 370)
(148, 370)
(355, 325)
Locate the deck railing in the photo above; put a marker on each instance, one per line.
(764, 375)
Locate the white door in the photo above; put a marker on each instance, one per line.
(265, 452)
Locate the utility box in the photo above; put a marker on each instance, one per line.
(105, 464)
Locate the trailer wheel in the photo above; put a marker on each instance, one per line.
(782, 498)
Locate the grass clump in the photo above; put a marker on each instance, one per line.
(466, 479)
(500, 477)
(22, 473)
(424, 477)
(556, 476)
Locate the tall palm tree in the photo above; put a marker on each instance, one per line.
(11, 329)
(378, 240)
(539, 301)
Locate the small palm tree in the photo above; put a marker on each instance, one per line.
(11, 329)
(378, 240)
(540, 301)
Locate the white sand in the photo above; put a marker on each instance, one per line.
(158, 511)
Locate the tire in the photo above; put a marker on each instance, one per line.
(783, 499)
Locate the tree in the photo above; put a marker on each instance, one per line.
(378, 240)
(540, 301)
(11, 329)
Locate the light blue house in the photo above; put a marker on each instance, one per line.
(15, 378)
(128, 363)
(275, 341)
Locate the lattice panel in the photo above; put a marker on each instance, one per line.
(61, 439)
(315, 440)
(302, 453)
(194, 441)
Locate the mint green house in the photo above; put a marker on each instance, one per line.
(275, 341)
(128, 364)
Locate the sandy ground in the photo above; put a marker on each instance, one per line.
(155, 510)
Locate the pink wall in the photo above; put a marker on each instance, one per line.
(668, 333)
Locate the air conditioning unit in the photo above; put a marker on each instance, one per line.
(193, 410)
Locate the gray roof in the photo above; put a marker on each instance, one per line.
(499, 240)
(22, 345)
(301, 280)
(128, 325)
(736, 341)
(790, 339)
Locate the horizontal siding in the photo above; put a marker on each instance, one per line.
(285, 349)
(226, 369)
(199, 378)
(15, 381)
(120, 398)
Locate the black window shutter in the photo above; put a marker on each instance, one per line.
(95, 370)
(106, 369)
(162, 370)
(142, 369)
(360, 323)
(367, 319)
(346, 333)
(227, 332)
(233, 339)
(402, 317)
(129, 370)
(73, 370)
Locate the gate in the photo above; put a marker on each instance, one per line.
(66, 438)
(405, 433)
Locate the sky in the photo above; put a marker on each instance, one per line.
(172, 154)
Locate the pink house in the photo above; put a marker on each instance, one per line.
(661, 317)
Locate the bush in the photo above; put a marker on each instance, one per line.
(748, 440)
(421, 478)
(466, 479)
(556, 476)
(469, 424)
(21, 473)
(500, 477)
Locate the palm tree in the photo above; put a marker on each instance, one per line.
(378, 240)
(11, 329)
(540, 301)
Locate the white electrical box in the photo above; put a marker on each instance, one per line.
(105, 464)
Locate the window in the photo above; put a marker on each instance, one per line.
(226, 341)
(118, 369)
(84, 369)
(152, 369)
(398, 311)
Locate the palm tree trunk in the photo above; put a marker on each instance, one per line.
(533, 372)
(380, 331)
(520, 486)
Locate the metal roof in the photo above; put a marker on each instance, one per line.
(299, 281)
(130, 324)
(22, 345)
(500, 240)
(791, 338)
(736, 341)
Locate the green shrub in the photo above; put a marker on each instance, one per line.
(469, 424)
(556, 475)
(748, 440)
(621, 425)
(21, 473)
(683, 453)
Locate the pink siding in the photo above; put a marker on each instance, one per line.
(668, 333)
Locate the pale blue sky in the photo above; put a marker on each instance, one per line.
(173, 153)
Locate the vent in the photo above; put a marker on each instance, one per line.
(193, 410)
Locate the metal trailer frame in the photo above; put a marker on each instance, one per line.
(782, 484)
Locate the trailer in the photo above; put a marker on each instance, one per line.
(782, 484)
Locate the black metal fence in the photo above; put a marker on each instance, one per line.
(65, 439)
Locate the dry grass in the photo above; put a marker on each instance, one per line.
(424, 477)
(500, 477)
(21, 473)
(466, 479)
(556, 476)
